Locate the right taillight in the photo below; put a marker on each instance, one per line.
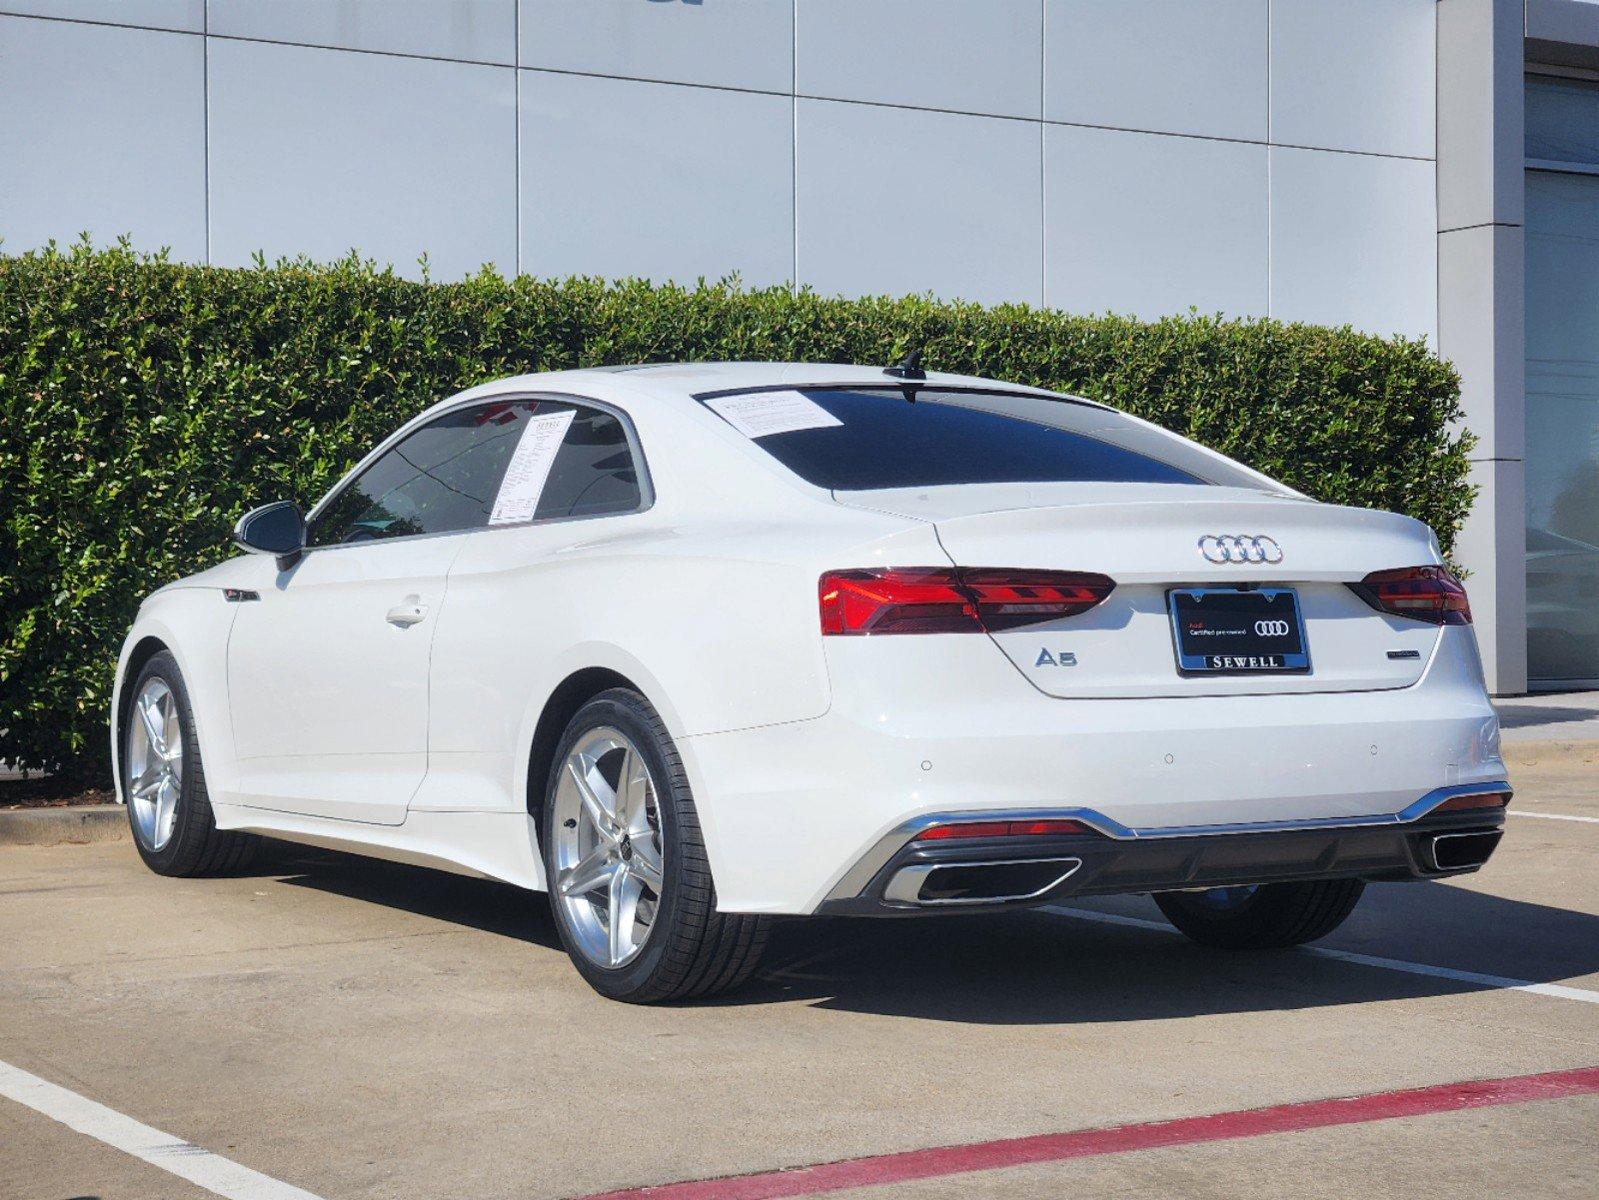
(952, 599)
(1428, 594)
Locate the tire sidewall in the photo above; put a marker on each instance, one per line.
(631, 715)
(1243, 919)
(164, 667)
(1273, 918)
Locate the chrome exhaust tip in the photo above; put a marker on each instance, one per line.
(973, 883)
(1459, 851)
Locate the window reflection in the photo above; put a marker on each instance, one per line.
(444, 477)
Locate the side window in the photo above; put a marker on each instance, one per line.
(444, 477)
(593, 472)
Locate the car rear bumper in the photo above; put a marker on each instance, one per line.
(931, 725)
(904, 876)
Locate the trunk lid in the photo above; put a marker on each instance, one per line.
(1146, 537)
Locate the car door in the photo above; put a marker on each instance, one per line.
(512, 593)
(328, 671)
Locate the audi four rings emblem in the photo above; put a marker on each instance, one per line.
(1240, 548)
(1271, 628)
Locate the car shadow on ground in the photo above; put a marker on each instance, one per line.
(1024, 968)
(482, 904)
(1044, 968)
(1526, 718)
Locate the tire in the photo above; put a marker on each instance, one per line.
(192, 844)
(688, 948)
(1272, 916)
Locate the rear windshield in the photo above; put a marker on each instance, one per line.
(877, 439)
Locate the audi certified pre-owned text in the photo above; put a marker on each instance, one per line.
(689, 647)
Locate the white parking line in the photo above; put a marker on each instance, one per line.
(1521, 812)
(218, 1175)
(1559, 990)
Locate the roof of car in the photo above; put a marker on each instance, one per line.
(689, 379)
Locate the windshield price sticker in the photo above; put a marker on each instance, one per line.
(761, 414)
(518, 498)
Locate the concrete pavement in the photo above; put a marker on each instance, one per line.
(359, 1029)
(1550, 716)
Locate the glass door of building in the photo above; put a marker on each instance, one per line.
(1562, 456)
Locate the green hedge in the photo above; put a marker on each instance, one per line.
(144, 405)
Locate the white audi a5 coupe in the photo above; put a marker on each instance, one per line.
(693, 646)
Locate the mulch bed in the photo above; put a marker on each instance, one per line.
(49, 792)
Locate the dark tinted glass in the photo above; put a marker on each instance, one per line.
(594, 472)
(277, 528)
(886, 442)
(444, 477)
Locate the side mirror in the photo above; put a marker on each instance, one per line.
(273, 529)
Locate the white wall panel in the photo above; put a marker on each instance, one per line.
(1492, 545)
(1171, 66)
(318, 151)
(894, 200)
(474, 30)
(1148, 224)
(951, 54)
(188, 15)
(1354, 75)
(727, 43)
(1352, 241)
(104, 131)
(654, 179)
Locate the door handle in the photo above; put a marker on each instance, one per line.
(408, 613)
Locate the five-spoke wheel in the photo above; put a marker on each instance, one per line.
(629, 878)
(608, 850)
(155, 762)
(163, 778)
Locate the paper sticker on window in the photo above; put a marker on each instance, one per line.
(529, 468)
(761, 414)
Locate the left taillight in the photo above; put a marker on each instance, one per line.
(952, 599)
(1428, 594)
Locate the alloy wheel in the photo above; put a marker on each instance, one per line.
(609, 860)
(155, 763)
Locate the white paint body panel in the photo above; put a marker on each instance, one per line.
(329, 699)
(323, 723)
(799, 803)
(1138, 533)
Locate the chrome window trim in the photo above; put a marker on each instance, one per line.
(877, 857)
(421, 420)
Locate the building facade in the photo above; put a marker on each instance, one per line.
(1419, 167)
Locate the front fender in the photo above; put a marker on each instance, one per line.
(193, 624)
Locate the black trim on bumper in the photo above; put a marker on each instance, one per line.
(1113, 866)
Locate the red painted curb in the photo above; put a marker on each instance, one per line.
(1086, 1143)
